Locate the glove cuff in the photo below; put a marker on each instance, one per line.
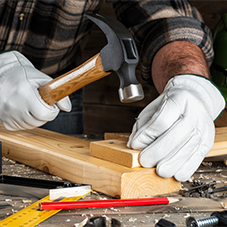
(204, 89)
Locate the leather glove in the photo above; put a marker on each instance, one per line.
(176, 131)
(21, 106)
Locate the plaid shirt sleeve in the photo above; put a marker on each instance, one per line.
(52, 34)
(155, 23)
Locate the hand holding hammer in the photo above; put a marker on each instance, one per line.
(27, 95)
(119, 55)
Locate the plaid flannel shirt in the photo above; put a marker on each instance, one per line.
(51, 34)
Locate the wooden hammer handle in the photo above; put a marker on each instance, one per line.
(73, 80)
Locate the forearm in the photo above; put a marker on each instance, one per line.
(178, 57)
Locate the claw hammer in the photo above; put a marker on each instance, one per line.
(119, 55)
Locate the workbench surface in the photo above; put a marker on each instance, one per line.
(129, 216)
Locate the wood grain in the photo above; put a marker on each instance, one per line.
(115, 150)
(116, 135)
(69, 158)
(73, 80)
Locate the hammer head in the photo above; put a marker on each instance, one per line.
(120, 55)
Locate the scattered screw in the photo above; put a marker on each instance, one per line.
(199, 190)
(224, 188)
(203, 222)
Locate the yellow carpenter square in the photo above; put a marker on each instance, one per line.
(31, 215)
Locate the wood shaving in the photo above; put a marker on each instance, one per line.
(108, 221)
(223, 175)
(14, 211)
(166, 216)
(218, 170)
(187, 215)
(114, 209)
(81, 224)
(224, 205)
(11, 161)
(132, 219)
(207, 164)
(191, 179)
(156, 221)
(95, 193)
(26, 201)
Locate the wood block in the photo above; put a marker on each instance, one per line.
(115, 150)
(116, 135)
(220, 143)
(69, 158)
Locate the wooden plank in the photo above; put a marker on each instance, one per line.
(69, 158)
(115, 150)
(116, 135)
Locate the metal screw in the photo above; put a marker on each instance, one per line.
(203, 222)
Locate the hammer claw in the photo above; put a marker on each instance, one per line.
(120, 55)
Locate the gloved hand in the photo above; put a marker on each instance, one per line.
(176, 131)
(21, 106)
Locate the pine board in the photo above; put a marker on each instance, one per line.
(68, 157)
(115, 150)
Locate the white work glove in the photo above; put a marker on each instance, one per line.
(21, 106)
(176, 131)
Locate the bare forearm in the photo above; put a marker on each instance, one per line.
(179, 57)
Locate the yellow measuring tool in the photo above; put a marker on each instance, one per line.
(32, 216)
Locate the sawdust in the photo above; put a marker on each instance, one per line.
(224, 205)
